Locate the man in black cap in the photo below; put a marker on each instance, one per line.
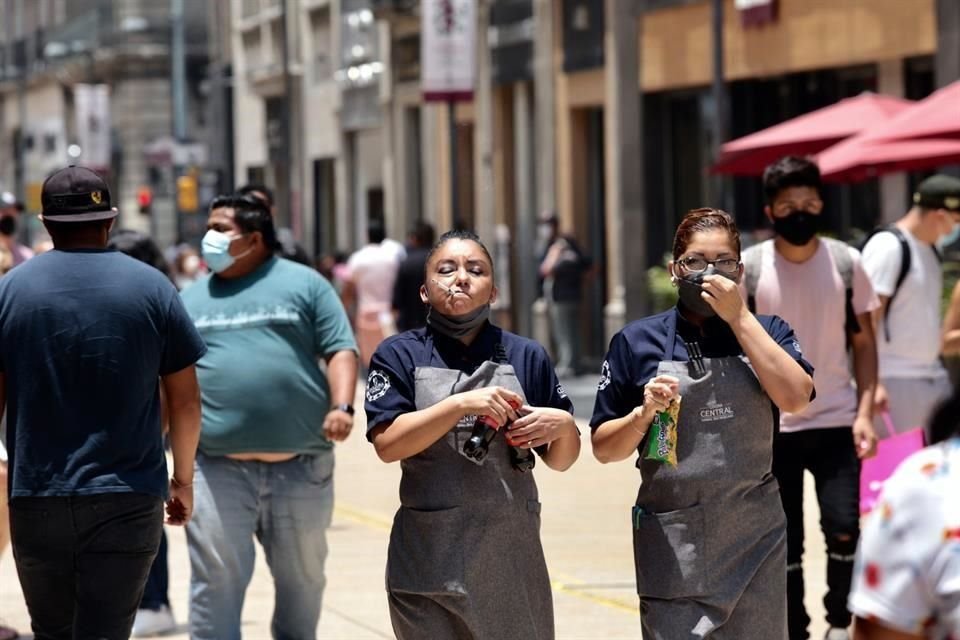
(903, 262)
(87, 336)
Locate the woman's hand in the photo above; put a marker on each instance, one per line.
(658, 393)
(496, 402)
(540, 426)
(724, 297)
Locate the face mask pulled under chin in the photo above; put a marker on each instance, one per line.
(457, 326)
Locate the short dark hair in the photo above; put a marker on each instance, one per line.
(253, 189)
(376, 233)
(459, 234)
(251, 214)
(790, 171)
(423, 233)
(139, 246)
(945, 422)
(61, 231)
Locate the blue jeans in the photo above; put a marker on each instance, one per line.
(288, 507)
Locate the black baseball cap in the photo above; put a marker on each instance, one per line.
(76, 194)
(939, 192)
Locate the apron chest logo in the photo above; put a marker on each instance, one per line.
(715, 411)
(377, 385)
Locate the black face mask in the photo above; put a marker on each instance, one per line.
(798, 227)
(8, 225)
(689, 290)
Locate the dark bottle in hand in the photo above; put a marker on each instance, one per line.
(484, 431)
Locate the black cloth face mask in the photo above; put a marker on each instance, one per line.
(690, 287)
(8, 225)
(457, 326)
(798, 227)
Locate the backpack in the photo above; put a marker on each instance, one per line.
(842, 261)
(906, 256)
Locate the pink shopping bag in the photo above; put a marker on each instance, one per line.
(891, 452)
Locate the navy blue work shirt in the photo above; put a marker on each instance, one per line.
(637, 350)
(85, 336)
(391, 382)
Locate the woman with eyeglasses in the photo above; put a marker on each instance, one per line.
(709, 532)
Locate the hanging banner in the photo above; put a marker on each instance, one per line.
(448, 49)
(92, 108)
(756, 13)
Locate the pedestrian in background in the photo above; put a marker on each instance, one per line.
(562, 266)
(708, 529)
(10, 211)
(903, 263)
(86, 334)
(289, 248)
(154, 616)
(409, 310)
(465, 558)
(371, 273)
(270, 418)
(819, 286)
(907, 574)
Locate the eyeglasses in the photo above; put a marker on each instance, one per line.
(784, 208)
(699, 264)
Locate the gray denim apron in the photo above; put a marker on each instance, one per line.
(710, 534)
(465, 559)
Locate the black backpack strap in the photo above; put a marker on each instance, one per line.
(843, 263)
(500, 354)
(906, 257)
(752, 260)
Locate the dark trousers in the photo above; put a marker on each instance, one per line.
(158, 582)
(83, 561)
(829, 455)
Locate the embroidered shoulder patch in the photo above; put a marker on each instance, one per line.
(378, 383)
(605, 377)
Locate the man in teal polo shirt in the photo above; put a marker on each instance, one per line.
(270, 417)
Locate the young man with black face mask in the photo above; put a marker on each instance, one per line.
(820, 288)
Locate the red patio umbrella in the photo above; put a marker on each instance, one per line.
(807, 134)
(936, 116)
(861, 157)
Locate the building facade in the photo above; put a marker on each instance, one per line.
(89, 82)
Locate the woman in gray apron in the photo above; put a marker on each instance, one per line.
(465, 559)
(709, 533)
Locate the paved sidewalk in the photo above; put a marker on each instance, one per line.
(585, 534)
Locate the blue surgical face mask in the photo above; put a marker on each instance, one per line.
(215, 248)
(950, 238)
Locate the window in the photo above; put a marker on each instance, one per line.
(321, 45)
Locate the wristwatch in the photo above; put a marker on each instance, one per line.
(346, 408)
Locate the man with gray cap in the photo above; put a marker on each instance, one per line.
(87, 336)
(903, 262)
(10, 210)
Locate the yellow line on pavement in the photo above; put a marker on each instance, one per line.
(568, 586)
(362, 517)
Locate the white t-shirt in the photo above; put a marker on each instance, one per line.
(914, 318)
(907, 572)
(373, 270)
(811, 297)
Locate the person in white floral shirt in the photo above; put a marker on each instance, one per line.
(907, 573)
